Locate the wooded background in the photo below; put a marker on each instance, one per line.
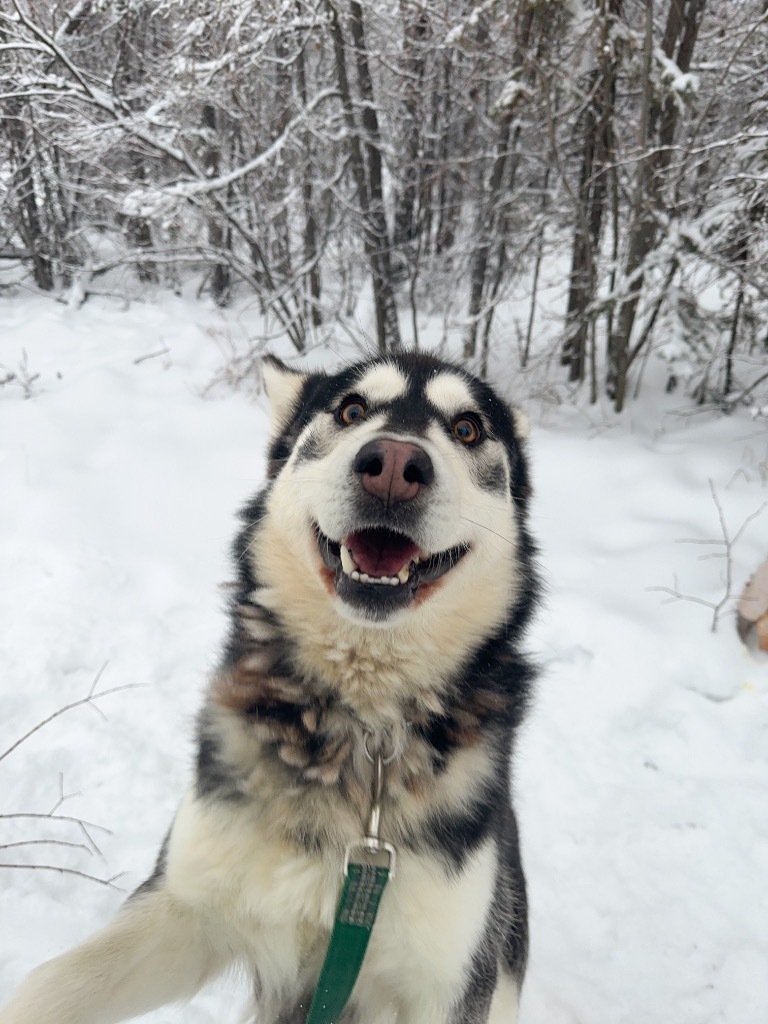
(444, 155)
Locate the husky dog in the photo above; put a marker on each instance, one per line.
(385, 578)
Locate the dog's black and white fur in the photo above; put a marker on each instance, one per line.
(385, 580)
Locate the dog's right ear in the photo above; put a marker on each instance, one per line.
(283, 386)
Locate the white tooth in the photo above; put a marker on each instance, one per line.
(404, 573)
(364, 577)
(423, 556)
(355, 576)
(394, 581)
(347, 561)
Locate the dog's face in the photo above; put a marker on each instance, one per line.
(398, 486)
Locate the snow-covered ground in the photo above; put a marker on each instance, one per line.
(642, 775)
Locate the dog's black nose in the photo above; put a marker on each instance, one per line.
(393, 470)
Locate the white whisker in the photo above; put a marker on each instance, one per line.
(482, 526)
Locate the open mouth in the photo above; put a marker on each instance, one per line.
(381, 567)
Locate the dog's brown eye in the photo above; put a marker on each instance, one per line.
(352, 411)
(467, 430)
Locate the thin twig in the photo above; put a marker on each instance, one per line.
(748, 520)
(89, 837)
(109, 882)
(69, 707)
(62, 796)
(677, 596)
(727, 543)
(46, 842)
(151, 355)
(54, 817)
(749, 390)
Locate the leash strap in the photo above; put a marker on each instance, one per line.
(355, 916)
(365, 879)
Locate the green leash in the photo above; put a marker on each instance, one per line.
(365, 879)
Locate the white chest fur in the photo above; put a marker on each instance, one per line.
(274, 905)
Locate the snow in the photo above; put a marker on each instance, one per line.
(684, 84)
(151, 202)
(512, 91)
(642, 773)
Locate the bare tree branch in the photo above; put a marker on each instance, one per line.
(89, 700)
(109, 882)
(727, 543)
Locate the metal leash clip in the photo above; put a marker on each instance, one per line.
(376, 852)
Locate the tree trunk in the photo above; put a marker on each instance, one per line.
(451, 178)
(30, 221)
(218, 235)
(367, 173)
(741, 258)
(312, 285)
(596, 154)
(387, 325)
(416, 33)
(484, 227)
(488, 220)
(659, 121)
(598, 144)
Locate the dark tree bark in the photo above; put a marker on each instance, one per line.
(313, 291)
(387, 325)
(366, 164)
(135, 36)
(416, 34)
(488, 233)
(218, 233)
(30, 220)
(452, 125)
(660, 125)
(597, 151)
(484, 231)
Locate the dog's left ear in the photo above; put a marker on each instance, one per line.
(522, 423)
(283, 386)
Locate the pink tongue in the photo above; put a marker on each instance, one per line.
(380, 552)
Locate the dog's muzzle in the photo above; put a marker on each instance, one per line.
(379, 567)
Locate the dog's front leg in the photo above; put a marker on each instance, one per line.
(155, 951)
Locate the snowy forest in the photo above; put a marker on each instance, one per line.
(569, 196)
(438, 156)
